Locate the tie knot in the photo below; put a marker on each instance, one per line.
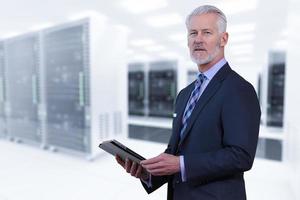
(201, 77)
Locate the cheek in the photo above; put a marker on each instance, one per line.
(214, 44)
(219, 41)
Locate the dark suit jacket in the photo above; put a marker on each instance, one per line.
(219, 143)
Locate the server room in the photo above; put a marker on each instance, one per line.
(74, 74)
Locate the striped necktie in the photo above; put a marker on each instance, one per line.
(192, 102)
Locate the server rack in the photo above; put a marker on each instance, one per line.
(136, 89)
(275, 98)
(84, 84)
(268, 148)
(162, 88)
(22, 61)
(2, 93)
(64, 67)
(271, 143)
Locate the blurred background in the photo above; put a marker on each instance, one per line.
(76, 73)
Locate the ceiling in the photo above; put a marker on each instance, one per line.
(253, 26)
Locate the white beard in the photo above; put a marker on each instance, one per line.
(208, 59)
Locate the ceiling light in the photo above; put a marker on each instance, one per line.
(141, 42)
(138, 6)
(170, 55)
(232, 7)
(139, 58)
(164, 20)
(154, 48)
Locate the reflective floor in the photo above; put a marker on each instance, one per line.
(28, 173)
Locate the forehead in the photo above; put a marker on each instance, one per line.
(203, 21)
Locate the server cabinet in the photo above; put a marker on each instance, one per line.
(64, 81)
(136, 89)
(22, 95)
(2, 93)
(275, 98)
(162, 87)
(84, 84)
(269, 149)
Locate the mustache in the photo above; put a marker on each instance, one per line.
(199, 46)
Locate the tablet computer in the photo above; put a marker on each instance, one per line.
(116, 148)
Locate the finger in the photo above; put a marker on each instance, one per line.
(120, 161)
(128, 164)
(138, 172)
(151, 160)
(154, 166)
(133, 169)
(159, 172)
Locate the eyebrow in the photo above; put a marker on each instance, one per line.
(192, 30)
(204, 29)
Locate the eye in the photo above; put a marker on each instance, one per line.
(193, 33)
(207, 32)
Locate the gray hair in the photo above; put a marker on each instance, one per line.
(205, 9)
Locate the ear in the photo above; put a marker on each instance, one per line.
(224, 39)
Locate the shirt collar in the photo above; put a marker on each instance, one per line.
(209, 74)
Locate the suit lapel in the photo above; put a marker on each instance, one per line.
(178, 119)
(208, 93)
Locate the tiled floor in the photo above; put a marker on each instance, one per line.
(30, 173)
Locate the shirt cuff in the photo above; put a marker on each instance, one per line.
(182, 169)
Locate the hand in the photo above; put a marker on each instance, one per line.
(163, 164)
(133, 168)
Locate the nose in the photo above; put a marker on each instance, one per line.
(198, 38)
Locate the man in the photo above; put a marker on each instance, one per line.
(216, 127)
